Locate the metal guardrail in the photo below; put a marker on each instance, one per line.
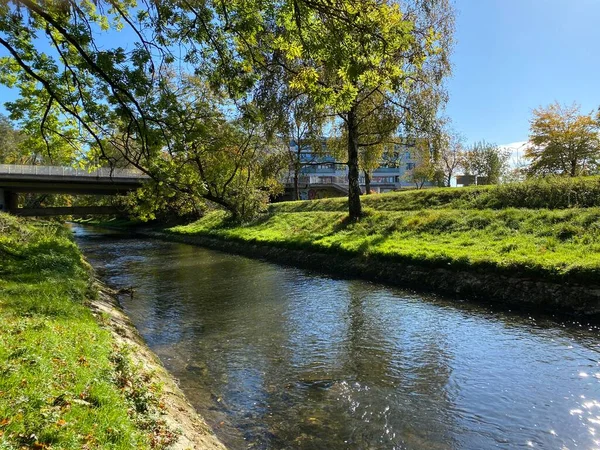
(335, 180)
(103, 172)
(317, 179)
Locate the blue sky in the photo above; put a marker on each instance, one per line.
(512, 56)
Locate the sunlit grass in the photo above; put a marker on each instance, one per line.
(61, 374)
(561, 244)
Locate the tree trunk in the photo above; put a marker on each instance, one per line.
(297, 169)
(449, 180)
(354, 206)
(574, 168)
(367, 182)
(296, 189)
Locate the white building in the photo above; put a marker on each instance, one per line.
(322, 176)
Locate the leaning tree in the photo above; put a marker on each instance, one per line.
(129, 99)
(257, 53)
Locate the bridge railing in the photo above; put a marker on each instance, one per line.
(103, 172)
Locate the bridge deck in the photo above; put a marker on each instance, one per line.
(57, 179)
(29, 171)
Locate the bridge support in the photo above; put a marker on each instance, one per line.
(12, 200)
(8, 200)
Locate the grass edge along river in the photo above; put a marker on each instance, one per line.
(536, 241)
(73, 372)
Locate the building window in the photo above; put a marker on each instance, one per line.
(326, 166)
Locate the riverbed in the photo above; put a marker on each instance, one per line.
(276, 357)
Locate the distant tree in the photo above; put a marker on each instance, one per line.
(26, 146)
(301, 131)
(46, 136)
(425, 169)
(449, 155)
(11, 151)
(486, 160)
(369, 159)
(519, 167)
(563, 141)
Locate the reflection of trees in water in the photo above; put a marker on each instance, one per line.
(236, 352)
(301, 358)
(187, 285)
(367, 356)
(193, 305)
(402, 370)
(371, 390)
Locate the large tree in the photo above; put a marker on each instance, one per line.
(209, 154)
(58, 47)
(130, 104)
(563, 141)
(376, 134)
(340, 53)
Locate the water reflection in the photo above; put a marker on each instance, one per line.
(275, 357)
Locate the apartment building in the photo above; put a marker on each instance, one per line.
(321, 176)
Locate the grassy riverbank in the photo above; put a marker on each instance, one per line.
(64, 381)
(548, 229)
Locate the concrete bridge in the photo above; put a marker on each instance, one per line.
(15, 179)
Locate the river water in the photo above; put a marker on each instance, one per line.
(276, 357)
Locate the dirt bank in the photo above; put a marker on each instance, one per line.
(179, 415)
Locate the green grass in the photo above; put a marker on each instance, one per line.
(64, 383)
(556, 244)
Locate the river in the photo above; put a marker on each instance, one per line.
(276, 357)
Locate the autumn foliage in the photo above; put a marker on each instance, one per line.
(563, 141)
